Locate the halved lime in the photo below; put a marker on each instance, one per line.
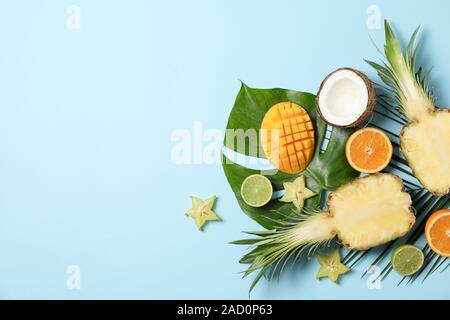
(407, 259)
(256, 190)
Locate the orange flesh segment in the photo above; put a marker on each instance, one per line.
(438, 232)
(369, 150)
(291, 127)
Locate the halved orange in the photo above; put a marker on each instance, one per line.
(437, 232)
(368, 150)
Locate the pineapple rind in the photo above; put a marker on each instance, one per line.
(426, 146)
(371, 211)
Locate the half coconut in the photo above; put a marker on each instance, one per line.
(346, 98)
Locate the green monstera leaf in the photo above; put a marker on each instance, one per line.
(327, 170)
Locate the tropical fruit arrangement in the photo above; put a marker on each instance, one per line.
(337, 178)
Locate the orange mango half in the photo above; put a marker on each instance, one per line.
(287, 137)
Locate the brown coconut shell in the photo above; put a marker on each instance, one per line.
(372, 99)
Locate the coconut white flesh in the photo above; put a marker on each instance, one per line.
(344, 98)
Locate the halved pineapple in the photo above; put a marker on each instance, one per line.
(364, 213)
(426, 146)
(425, 141)
(371, 211)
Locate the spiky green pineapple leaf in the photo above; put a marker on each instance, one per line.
(404, 79)
(272, 250)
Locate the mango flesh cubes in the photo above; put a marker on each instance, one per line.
(287, 137)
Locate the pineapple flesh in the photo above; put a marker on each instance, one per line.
(371, 211)
(426, 146)
(425, 140)
(365, 213)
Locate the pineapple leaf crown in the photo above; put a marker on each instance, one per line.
(405, 82)
(273, 249)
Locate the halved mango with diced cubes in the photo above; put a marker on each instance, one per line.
(287, 137)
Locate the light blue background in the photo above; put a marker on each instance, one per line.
(85, 123)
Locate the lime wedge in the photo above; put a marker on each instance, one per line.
(407, 260)
(256, 190)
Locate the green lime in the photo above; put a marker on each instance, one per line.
(407, 259)
(256, 190)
